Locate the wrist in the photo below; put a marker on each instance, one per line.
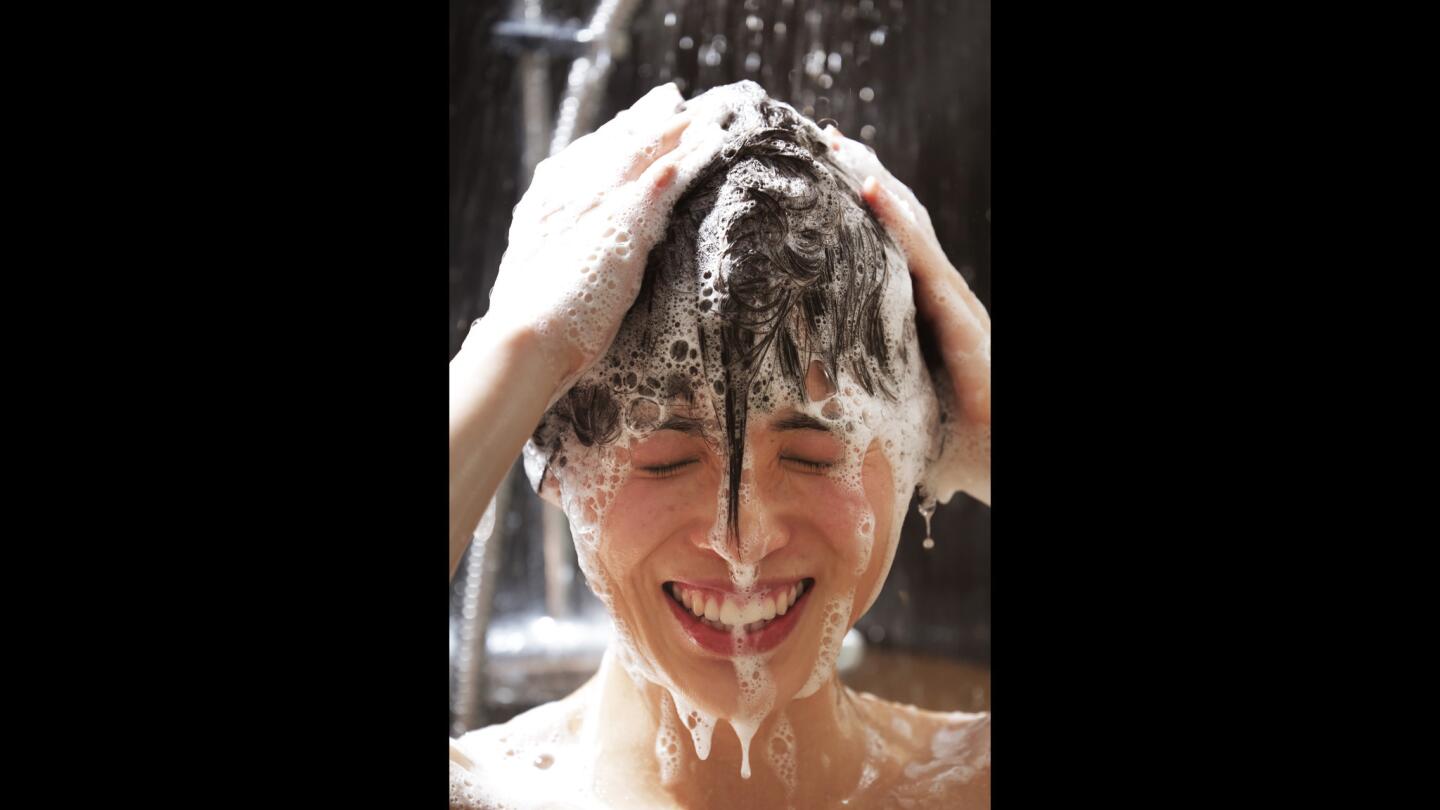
(497, 345)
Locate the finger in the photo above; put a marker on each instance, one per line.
(972, 302)
(974, 387)
(927, 261)
(900, 219)
(688, 154)
(652, 108)
(639, 161)
(965, 346)
(660, 103)
(659, 175)
(892, 212)
(580, 176)
(945, 300)
(961, 288)
(658, 147)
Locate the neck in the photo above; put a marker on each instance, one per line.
(817, 736)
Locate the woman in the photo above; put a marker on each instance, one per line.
(704, 307)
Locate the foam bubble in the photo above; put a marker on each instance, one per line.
(835, 623)
(782, 754)
(667, 741)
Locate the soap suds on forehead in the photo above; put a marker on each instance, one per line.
(773, 287)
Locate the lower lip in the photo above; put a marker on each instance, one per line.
(721, 642)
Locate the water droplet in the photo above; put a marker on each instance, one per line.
(754, 23)
(670, 19)
(867, 94)
(686, 43)
(779, 29)
(833, 62)
(752, 62)
(877, 37)
(867, 132)
(815, 63)
(825, 80)
(927, 510)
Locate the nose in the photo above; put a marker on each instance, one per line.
(758, 527)
(762, 526)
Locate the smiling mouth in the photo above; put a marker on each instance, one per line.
(712, 617)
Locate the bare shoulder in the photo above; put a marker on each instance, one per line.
(944, 757)
(486, 761)
(545, 725)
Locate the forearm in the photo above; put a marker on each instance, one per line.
(500, 384)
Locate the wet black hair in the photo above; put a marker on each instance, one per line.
(783, 288)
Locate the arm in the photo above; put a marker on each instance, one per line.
(500, 385)
(564, 286)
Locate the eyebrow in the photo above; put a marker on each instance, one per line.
(684, 424)
(799, 421)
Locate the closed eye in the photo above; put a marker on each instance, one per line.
(807, 465)
(668, 470)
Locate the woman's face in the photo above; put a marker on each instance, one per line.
(768, 265)
(802, 525)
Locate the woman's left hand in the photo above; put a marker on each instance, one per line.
(942, 297)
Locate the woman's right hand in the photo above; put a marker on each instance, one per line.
(581, 234)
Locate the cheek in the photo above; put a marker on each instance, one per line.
(627, 537)
(649, 513)
(880, 498)
(839, 514)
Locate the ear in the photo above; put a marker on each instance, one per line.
(550, 490)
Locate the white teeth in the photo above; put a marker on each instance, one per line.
(729, 614)
(754, 611)
(750, 614)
